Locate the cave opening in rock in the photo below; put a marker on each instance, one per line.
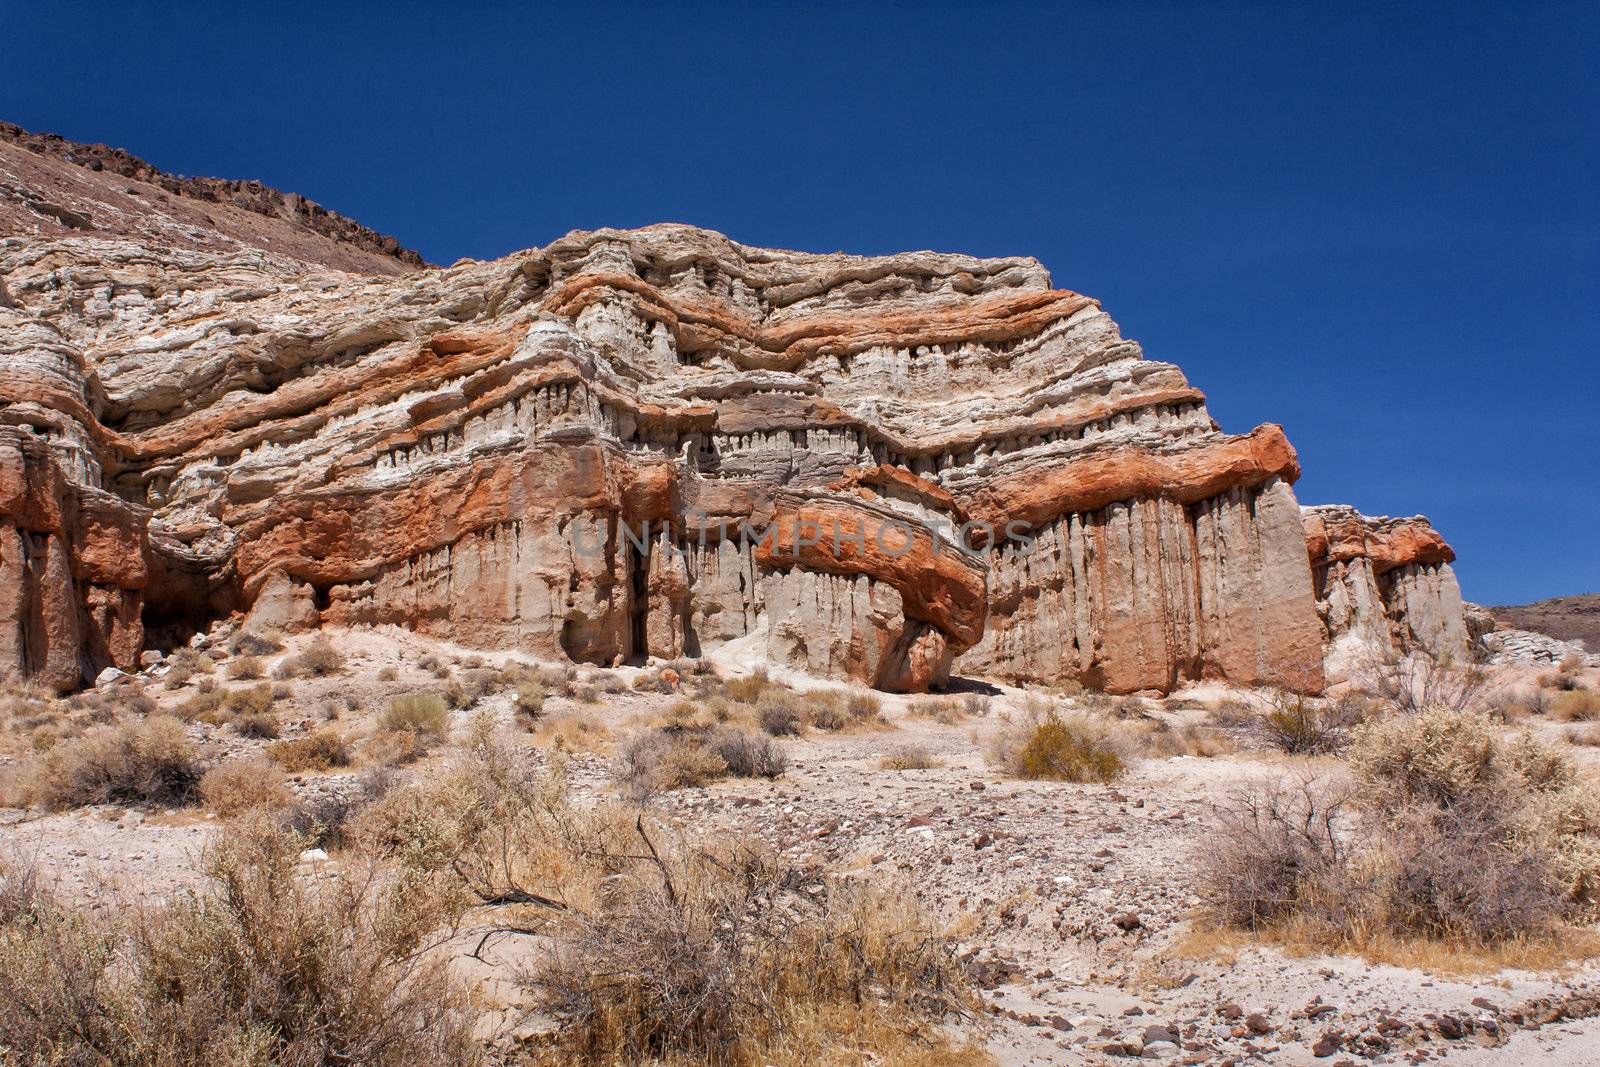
(638, 646)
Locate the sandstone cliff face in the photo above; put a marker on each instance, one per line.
(1384, 587)
(556, 451)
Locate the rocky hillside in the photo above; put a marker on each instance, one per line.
(1566, 618)
(51, 187)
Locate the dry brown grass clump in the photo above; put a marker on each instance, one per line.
(259, 967)
(419, 713)
(321, 750)
(1162, 740)
(1448, 835)
(242, 785)
(247, 668)
(571, 731)
(1576, 705)
(1043, 743)
(909, 758)
(138, 762)
(748, 689)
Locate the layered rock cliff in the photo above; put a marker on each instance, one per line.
(647, 443)
(555, 451)
(1384, 587)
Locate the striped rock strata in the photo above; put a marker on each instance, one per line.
(1384, 587)
(554, 452)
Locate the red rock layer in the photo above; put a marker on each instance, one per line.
(556, 452)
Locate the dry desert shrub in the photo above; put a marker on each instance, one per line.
(1448, 834)
(1576, 705)
(1419, 682)
(1303, 725)
(138, 762)
(251, 642)
(1160, 739)
(864, 705)
(244, 785)
(247, 668)
(529, 701)
(657, 761)
(830, 710)
(1587, 735)
(319, 659)
(571, 731)
(419, 713)
(395, 748)
(656, 948)
(1281, 850)
(262, 725)
(258, 967)
(388, 674)
(1562, 681)
(946, 711)
(748, 689)
(780, 718)
(1043, 743)
(909, 758)
(320, 750)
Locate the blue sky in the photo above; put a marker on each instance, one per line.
(1376, 224)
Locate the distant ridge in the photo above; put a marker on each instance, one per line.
(53, 186)
(1566, 618)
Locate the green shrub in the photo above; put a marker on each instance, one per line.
(1074, 748)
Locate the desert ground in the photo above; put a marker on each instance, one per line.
(1077, 910)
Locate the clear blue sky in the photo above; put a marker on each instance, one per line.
(1376, 224)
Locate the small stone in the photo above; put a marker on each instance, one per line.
(109, 676)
